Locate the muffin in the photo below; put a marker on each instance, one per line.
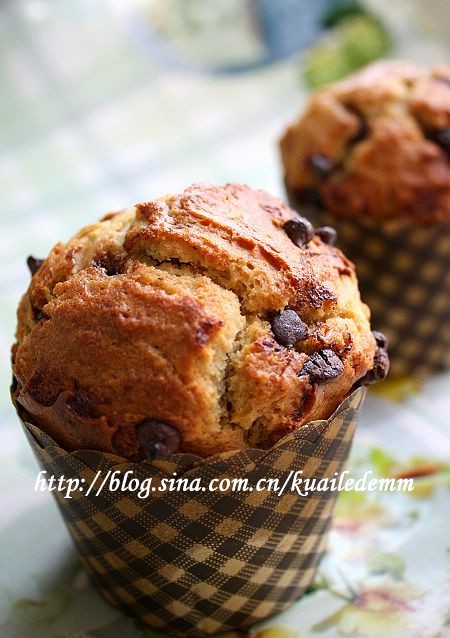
(204, 322)
(206, 336)
(370, 154)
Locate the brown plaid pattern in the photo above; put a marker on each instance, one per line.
(206, 562)
(404, 277)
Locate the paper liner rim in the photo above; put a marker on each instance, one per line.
(307, 434)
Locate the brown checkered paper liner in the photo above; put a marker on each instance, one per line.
(404, 277)
(196, 563)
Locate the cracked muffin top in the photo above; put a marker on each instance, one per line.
(375, 145)
(203, 322)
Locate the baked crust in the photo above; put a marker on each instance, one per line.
(163, 312)
(385, 135)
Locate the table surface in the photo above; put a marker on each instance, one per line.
(91, 128)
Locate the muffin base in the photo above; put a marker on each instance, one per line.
(200, 563)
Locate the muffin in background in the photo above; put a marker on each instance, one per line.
(204, 322)
(370, 154)
(375, 145)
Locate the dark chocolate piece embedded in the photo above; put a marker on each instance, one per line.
(327, 234)
(300, 231)
(41, 315)
(380, 367)
(34, 264)
(323, 366)
(442, 138)
(321, 165)
(157, 438)
(379, 371)
(111, 264)
(363, 129)
(288, 328)
(381, 339)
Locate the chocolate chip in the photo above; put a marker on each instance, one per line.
(300, 231)
(380, 367)
(327, 234)
(323, 366)
(321, 165)
(288, 328)
(379, 370)
(442, 138)
(41, 315)
(363, 128)
(381, 339)
(111, 264)
(34, 264)
(362, 132)
(157, 438)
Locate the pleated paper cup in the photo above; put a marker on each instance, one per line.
(404, 277)
(198, 563)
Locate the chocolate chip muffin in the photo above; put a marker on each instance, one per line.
(204, 322)
(375, 145)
